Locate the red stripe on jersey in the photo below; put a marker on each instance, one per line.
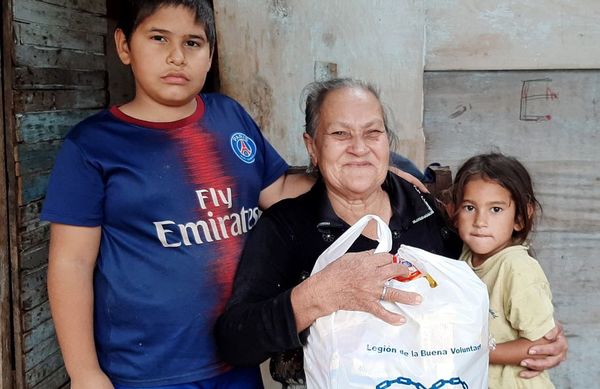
(205, 170)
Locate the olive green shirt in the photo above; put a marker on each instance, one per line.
(520, 307)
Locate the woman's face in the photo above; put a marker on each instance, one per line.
(351, 146)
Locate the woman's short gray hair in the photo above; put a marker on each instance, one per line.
(317, 91)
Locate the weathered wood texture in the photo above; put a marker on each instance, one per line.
(58, 78)
(6, 365)
(268, 53)
(512, 34)
(549, 120)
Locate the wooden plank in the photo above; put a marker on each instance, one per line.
(35, 257)
(58, 58)
(36, 157)
(30, 239)
(58, 379)
(6, 335)
(37, 335)
(43, 350)
(32, 187)
(482, 110)
(34, 317)
(92, 6)
(512, 34)
(44, 126)
(53, 78)
(45, 100)
(48, 100)
(33, 34)
(50, 14)
(42, 370)
(30, 213)
(33, 291)
(15, 364)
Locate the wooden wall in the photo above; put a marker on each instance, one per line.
(58, 77)
(270, 49)
(549, 120)
(548, 117)
(512, 34)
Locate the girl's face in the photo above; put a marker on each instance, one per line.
(486, 218)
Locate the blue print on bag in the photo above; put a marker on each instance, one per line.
(456, 381)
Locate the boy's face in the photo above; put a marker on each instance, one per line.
(169, 55)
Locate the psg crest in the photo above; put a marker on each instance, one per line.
(244, 147)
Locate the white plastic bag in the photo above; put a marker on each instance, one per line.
(443, 344)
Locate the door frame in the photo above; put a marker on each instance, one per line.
(7, 357)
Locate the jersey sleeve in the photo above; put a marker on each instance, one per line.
(75, 191)
(530, 311)
(275, 166)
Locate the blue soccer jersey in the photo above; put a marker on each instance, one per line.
(175, 201)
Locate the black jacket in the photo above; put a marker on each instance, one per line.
(282, 249)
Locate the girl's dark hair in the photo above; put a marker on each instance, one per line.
(133, 12)
(509, 173)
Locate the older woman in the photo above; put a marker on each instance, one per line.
(348, 142)
(273, 299)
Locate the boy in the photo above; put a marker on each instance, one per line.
(149, 204)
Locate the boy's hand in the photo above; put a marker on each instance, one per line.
(555, 353)
(93, 380)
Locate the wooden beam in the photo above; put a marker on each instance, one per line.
(6, 349)
(60, 37)
(8, 61)
(54, 78)
(31, 11)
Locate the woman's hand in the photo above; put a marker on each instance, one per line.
(354, 282)
(554, 353)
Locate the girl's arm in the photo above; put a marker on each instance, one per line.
(514, 351)
(548, 355)
(72, 258)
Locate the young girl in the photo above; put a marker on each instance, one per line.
(494, 208)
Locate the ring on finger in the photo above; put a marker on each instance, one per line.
(383, 292)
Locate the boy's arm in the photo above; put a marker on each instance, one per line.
(286, 186)
(514, 351)
(72, 258)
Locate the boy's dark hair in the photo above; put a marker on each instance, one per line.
(509, 173)
(134, 12)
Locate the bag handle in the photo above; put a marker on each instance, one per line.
(345, 241)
